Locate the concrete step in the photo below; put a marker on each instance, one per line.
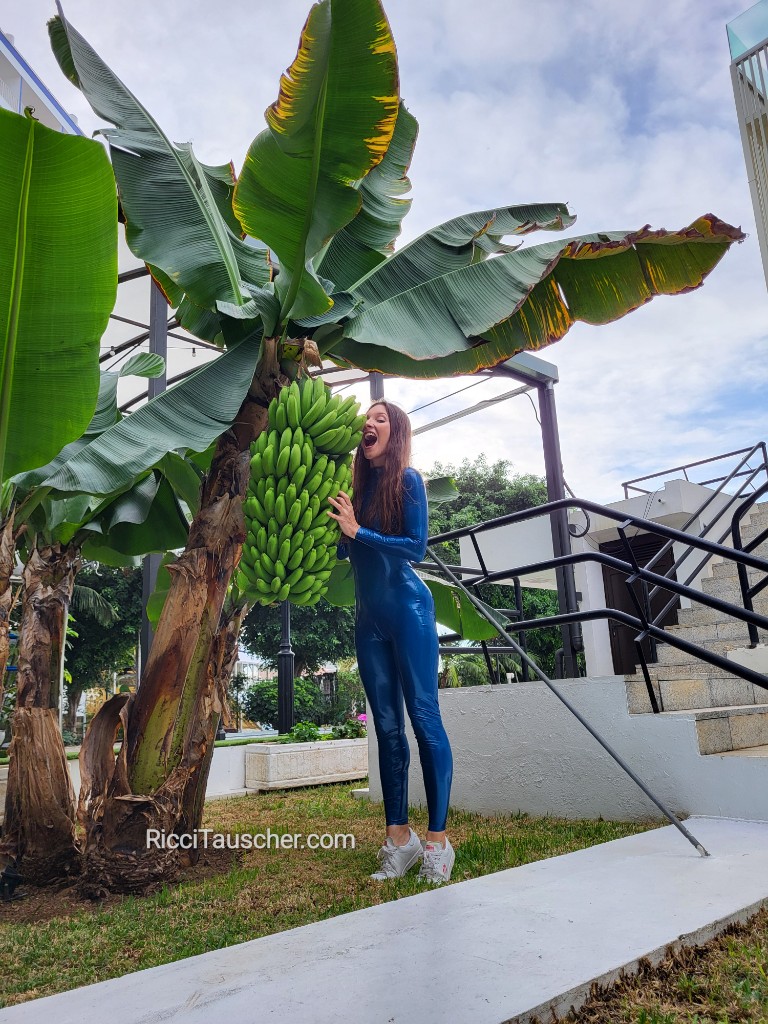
(727, 570)
(728, 728)
(761, 751)
(688, 693)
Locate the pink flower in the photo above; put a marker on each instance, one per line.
(362, 718)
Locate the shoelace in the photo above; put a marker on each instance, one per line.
(386, 856)
(431, 861)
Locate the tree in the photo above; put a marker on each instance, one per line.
(100, 649)
(321, 197)
(318, 635)
(260, 701)
(487, 491)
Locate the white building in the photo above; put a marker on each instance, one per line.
(20, 88)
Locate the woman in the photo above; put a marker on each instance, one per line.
(385, 529)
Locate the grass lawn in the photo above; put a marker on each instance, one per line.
(724, 982)
(52, 941)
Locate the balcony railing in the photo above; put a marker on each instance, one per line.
(9, 97)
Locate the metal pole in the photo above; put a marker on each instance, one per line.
(561, 537)
(376, 381)
(158, 343)
(285, 672)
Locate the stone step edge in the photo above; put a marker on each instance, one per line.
(726, 711)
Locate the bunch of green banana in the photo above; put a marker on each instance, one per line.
(290, 548)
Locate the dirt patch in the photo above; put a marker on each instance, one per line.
(43, 903)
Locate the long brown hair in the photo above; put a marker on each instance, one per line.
(385, 509)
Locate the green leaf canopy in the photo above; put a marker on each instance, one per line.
(460, 320)
(58, 280)
(178, 211)
(332, 122)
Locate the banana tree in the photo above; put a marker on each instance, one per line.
(58, 280)
(320, 198)
(39, 827)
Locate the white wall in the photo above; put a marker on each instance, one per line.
(517, 748)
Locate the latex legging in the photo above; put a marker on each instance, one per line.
(396, 643)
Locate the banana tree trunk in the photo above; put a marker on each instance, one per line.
(223, 656)
(164, 725)
(39, 830)
(7, 558)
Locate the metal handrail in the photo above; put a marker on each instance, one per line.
(634, 572)
(689, 465)
(747, 592)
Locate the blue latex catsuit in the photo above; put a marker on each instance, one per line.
(396, 643)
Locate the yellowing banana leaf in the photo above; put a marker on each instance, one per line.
(370, 237)
(178, 211)
(331, 124)
(58, 280)
(483, 313)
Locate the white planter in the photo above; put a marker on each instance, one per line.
(284, 765)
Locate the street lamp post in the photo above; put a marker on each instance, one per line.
(285, 673)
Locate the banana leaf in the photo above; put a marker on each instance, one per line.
(332, 122)
(369, 238)
(143, 364)
(178, 211)
(58, 281)
(454, 610)
(483, 313)
(190, 415)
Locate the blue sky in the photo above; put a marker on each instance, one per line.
(624, 111)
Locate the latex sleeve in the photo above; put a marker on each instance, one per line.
(412, 544)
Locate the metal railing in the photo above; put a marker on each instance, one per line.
(738, 471)
(749, 592)
(472, 577)
(527, 660)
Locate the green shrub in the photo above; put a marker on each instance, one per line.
(352, 729)
(259, 701)
(305, 732)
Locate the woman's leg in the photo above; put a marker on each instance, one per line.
(416, 656)
(378, 672)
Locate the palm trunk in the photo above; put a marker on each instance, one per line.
(165, 726)
(39, 827)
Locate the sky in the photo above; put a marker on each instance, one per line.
(624, 111)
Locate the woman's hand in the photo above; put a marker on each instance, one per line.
(344, 514)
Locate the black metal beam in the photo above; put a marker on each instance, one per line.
(561, 539)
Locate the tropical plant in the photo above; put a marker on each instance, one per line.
(58, 238)
(321, 195)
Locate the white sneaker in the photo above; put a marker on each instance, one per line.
(396, 860)
(438, 861)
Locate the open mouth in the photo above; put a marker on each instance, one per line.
(369, 439)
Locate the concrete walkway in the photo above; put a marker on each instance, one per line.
(491, 950)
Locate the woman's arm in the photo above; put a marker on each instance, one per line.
(412, 544)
